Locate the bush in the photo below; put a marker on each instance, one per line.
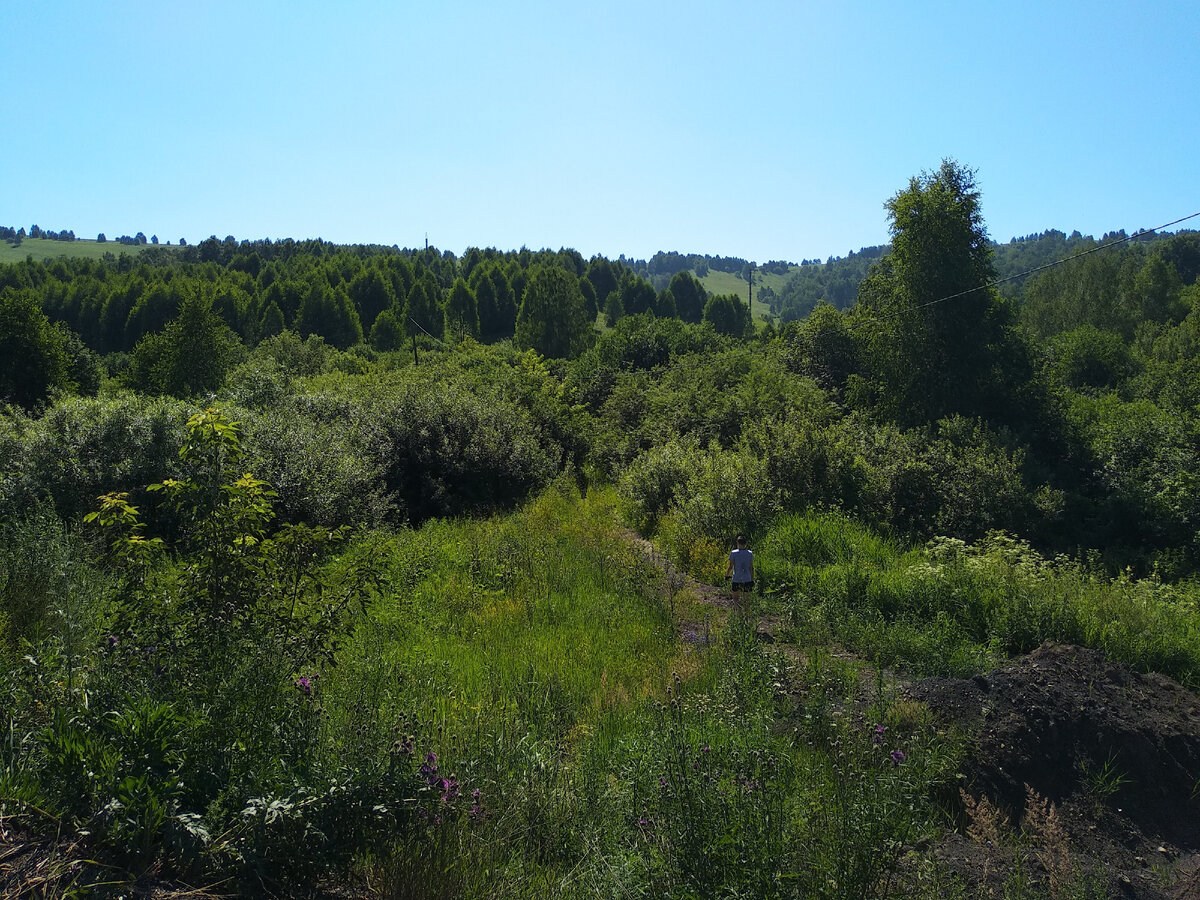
(654, 481)
(82, 448)
(319, 467)
(447, 452)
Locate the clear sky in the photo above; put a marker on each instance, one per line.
(767, 130)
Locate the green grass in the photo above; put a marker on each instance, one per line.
(728, 283)
(41, 249)
(534, 655)
(531, 657)
(954, 609)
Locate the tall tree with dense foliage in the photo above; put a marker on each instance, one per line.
(33, 359)
(553, 319)
(387, 333)
(189, 357)
(603, 277)
(372, 294)
(941, 338)
(728, 314)
(462, 310)
(330, 314)
(425, 307)
(689, 295)
(637, 295)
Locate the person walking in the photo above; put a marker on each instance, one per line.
(741, 567)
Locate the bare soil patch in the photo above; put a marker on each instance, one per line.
(1117, 752)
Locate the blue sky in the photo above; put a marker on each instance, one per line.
(768, 130)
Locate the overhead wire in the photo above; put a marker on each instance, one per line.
(750, 351)
(986, 286)
(1050, 265)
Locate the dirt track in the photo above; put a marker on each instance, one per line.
(1115, 751)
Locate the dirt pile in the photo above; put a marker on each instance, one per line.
(1116, 751)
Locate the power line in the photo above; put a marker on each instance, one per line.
(751, 351)
(1035, 269)
(426, 333)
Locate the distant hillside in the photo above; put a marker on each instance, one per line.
(729, 283)
(836, 281)
(41, 249)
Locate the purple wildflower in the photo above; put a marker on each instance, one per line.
(897, 757)
(877, 738)
(449, 788)
(304, 685)
(112, 641)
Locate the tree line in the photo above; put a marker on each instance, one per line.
(238, 294)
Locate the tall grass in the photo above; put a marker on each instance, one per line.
(533, 656)
(950, 608)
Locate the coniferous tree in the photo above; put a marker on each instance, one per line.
(941, 340)
(329, 314)
(33, 359)
(603, 278)
(553, 319)
(462, 311)
(272, 322)
(387, 333)
(665, 307)
(425, 308)
(189, 357)
(728, 314)
(372, 294)
(637, 295)
(508, 298)
(613, 311)
(689, 295)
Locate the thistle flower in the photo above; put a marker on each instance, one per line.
(877, 737)
(304, 685)
(897, 757)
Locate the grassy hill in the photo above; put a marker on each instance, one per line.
(41, 249)
(729, 283)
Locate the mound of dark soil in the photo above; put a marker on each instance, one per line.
(1116, 751)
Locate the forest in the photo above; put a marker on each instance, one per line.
(336, 570)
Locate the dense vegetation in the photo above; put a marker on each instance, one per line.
(312, 566)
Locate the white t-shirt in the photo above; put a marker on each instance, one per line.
(743, 562)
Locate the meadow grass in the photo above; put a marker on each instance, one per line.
(728, 283)
(950, 608)
(534, 656)
(42, 250)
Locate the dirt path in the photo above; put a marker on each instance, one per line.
(699, 610)
(1117, 752)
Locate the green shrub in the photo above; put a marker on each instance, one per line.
(318, 466)
(82, 448)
